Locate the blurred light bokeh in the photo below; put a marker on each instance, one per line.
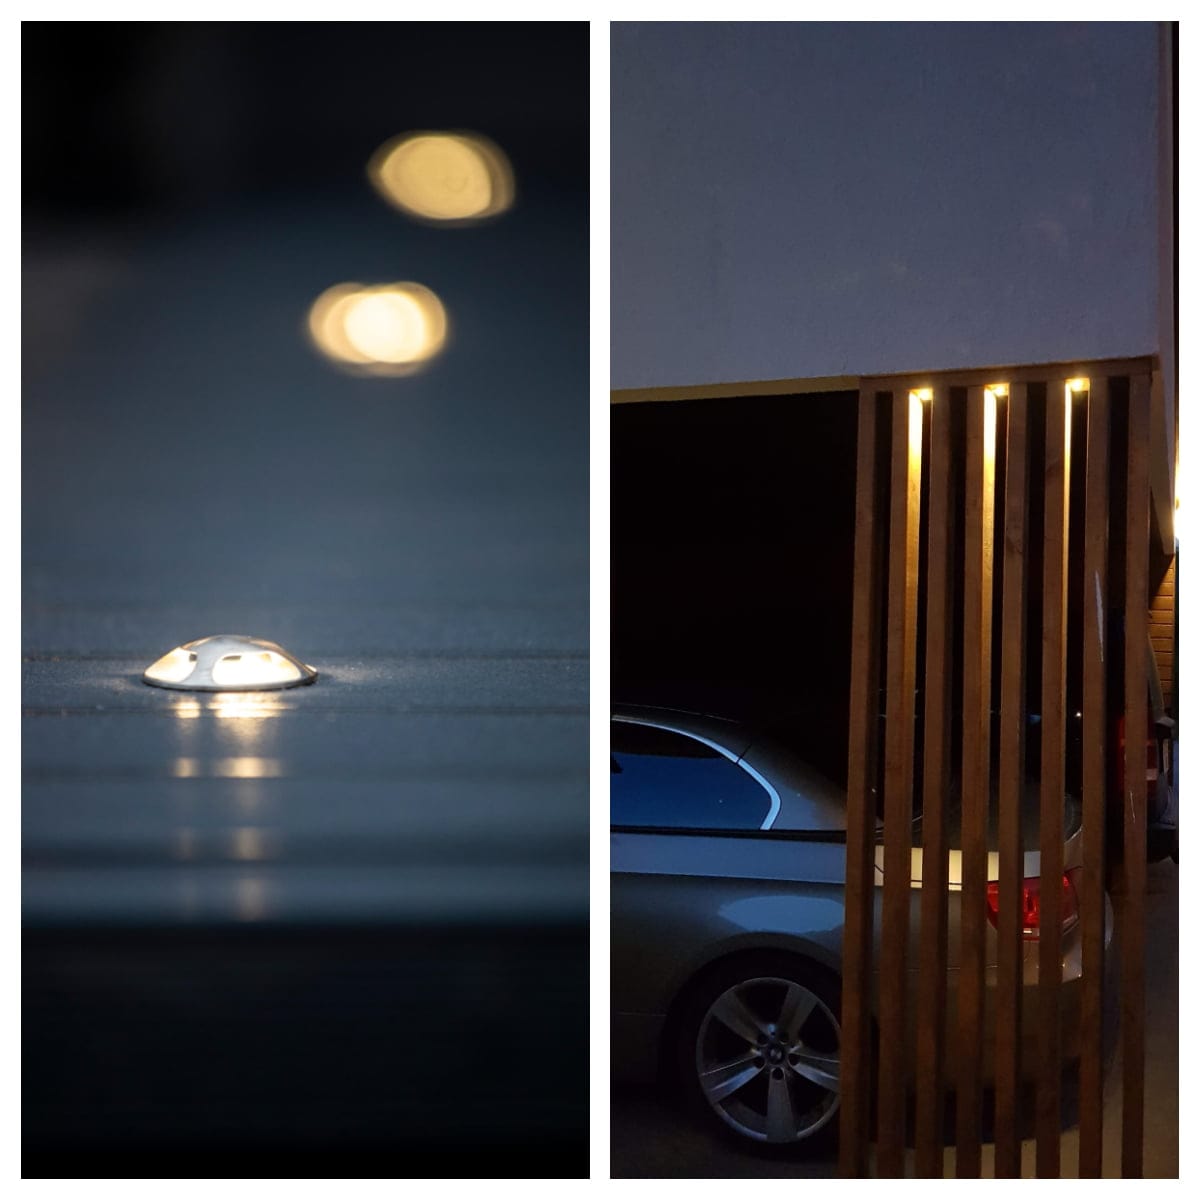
(388, 329)
(444, 176)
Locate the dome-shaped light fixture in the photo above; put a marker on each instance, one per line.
(228, 662)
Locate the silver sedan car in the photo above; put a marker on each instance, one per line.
(728, 880)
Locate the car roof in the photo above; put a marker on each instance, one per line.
(731, 736)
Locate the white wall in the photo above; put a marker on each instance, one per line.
(809, 200)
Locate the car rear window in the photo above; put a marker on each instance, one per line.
(664, 779)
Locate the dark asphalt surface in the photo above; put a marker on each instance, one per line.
(368, 885)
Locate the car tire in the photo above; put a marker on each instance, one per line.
(744, 1072)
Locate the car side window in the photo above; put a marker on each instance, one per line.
(664, 779)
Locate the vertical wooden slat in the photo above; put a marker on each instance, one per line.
(1133, 982)
(907, 431)
(1095, 737)
(977, 688)
(931, 985)
(860, 798)
(1010, 940)
(1055, 540)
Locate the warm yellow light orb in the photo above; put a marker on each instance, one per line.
(443, 176)
(389, 327)
(385, 330)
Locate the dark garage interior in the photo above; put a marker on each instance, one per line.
(732, 557)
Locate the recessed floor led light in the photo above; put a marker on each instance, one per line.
(228, 662)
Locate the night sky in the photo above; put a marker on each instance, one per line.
(813, 199)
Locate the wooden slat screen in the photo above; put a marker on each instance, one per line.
(975, 1039)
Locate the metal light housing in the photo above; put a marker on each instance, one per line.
(228, 662)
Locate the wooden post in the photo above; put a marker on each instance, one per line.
(1095, 738)
(1010, 939)
(907, 434)
(939, 619)
(1056, 533)
(860, 798)
(1133, 931)
(977, 690)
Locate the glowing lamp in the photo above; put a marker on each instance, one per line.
(1076, 386)
(228, 663)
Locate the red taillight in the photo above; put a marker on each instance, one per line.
(1031, 904)
(1151, 755)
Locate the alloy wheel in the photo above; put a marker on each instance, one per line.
(767, 1059)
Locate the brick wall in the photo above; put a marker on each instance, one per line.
(1162, 631)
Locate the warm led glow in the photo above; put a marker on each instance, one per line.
(916, 417)
(326, 322)
(245, 706)
(1078, 385)
(390, 329)
(247, 767)
(174, 667)
(224, 663)
(240, 767)
(387, 327)
(254, 670)
(989, 424)
(925, 394)
(245, 710)
(443, 176)
(247, 844)
(997, 389)
(243, 715)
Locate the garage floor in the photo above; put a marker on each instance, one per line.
(651, 1138)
